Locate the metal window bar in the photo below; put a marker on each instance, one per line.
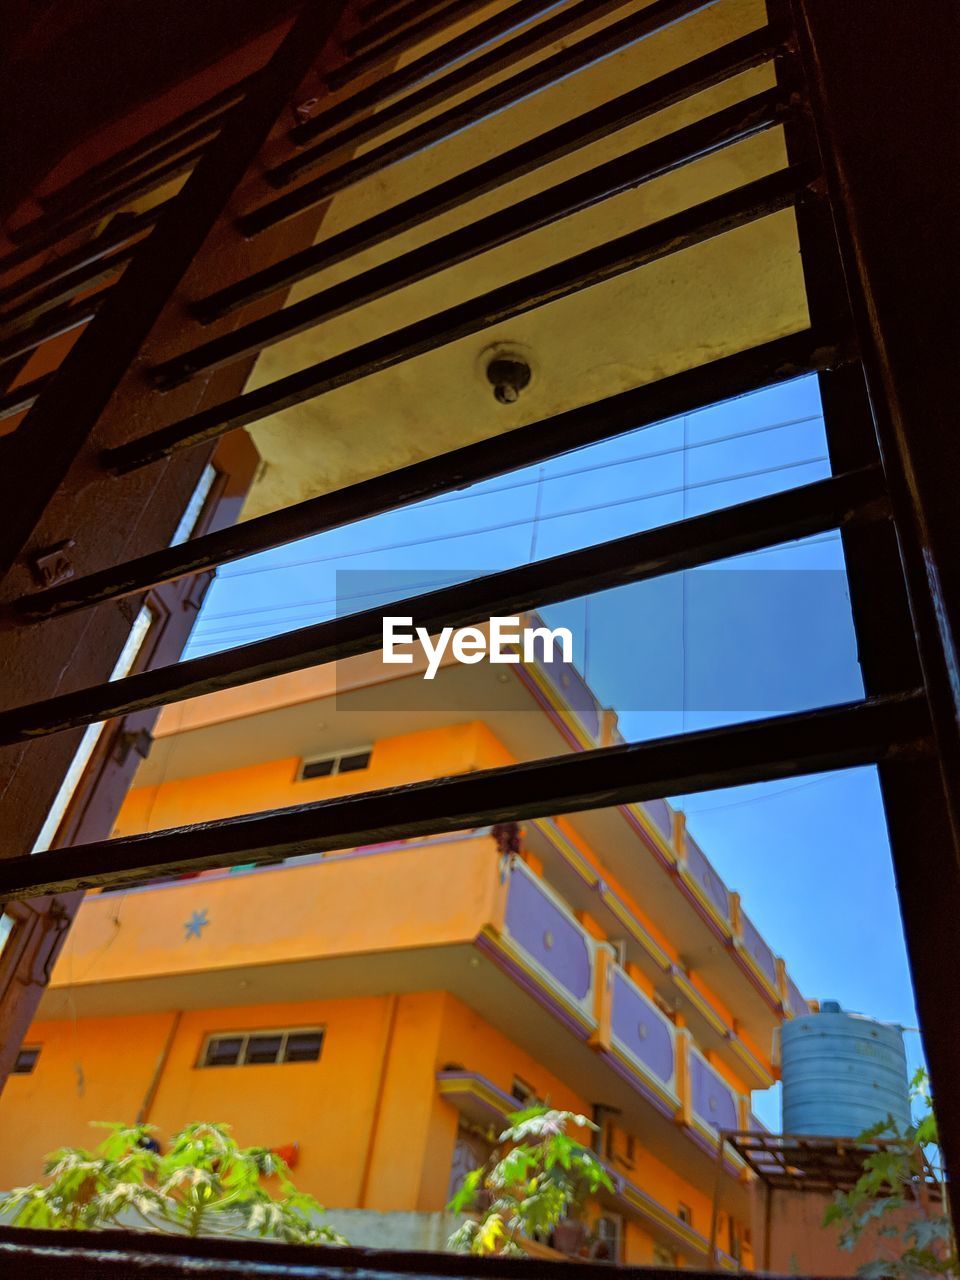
(122, 227)
(60, 424)
(703, 385)
(892, 727)
(423, 15)
(759, 751)
(656, 17)
(628, 108)
(624, 173)
(738, 208)
(699, 540)
(211, 109)
(371, 46)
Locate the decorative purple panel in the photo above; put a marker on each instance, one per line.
(700, 869)
(548, 934)
(569, 684)
(713, 1099)
(640, 1029)
(661, 815)
(795, 1001)
(755, 946)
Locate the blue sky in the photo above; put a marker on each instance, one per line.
(767, 633)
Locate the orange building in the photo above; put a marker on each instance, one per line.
(377, 1011)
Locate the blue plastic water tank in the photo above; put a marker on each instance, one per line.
(842, 1073)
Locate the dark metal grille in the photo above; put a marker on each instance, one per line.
(241, 141)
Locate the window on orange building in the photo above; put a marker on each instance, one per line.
(26, 1061)
(329, 766)
(685, 1213)
(262, 1048)
(523, 1092)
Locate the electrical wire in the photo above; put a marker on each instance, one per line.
(514, 524)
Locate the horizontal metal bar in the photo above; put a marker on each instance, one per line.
(93, 194)
(685, 392)
(372, 97)
(44, 233)
(122, 227)
(370, 46)
(22, 397)
(106, 268)
(657, 16)
(562, 140)
(840, 737)
(826, 504)
(46, 1254)
(405, 24)
(58, 428)
(623, 173)
(142, 148)
(692, 226)
(54, 324)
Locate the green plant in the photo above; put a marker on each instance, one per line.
(537, 1177)
(204, 1184)
(901, 1195)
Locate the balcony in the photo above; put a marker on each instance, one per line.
(447, 914)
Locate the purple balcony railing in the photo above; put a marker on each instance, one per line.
(641, 1032)
(757, 949)
(795, 1001)
(661, 815)
(714, 1102)
(701, 870)
(572, 688)
(549, 937)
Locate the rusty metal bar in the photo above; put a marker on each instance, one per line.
(367, 49)
(748, 526)
(58, 427)
(36, 1254)
(629, 108)
(54, 324)
(405, 25)
(565, 23)
(845, 736)
(746, 204)
(656, 17)
(22, 397)
(121, 228)
(213, 108)
(902, 289)
(126, 178)
(44, 232)
(105, 269)
(707, 384)
(623, 173)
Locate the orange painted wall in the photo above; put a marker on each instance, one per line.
(327, 1106)
(362, 903)
(78, 1078)
(411, 757)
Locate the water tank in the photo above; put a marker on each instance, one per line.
(842, 1073)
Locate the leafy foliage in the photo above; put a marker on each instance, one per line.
(538, 1176)
(898, 1176)
(204, 1184)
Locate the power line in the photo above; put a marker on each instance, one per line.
(477, 492)
(513, 524)
(312, 605)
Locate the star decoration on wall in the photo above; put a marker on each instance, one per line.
(196, 924)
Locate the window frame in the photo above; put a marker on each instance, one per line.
(336, 759)
(285, 1034)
